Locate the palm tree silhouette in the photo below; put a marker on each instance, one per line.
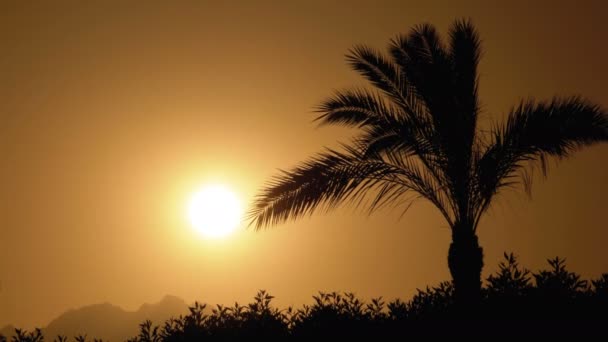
(419, 139)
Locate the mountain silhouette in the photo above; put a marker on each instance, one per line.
(109, 322)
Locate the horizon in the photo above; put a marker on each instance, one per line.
(114, 116)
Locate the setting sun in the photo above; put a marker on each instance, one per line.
(214, 211)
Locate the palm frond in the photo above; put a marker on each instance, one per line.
(423, 61)
(435, 71)
(534, 132)
(377, 69)
(465, 52)
(357, 108)
(332, 178)
(325, 179)
(387, 76)
(385, 126)
(426, 179)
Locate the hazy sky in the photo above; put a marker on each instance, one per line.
(113, 113)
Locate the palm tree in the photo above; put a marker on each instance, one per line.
(418, 138)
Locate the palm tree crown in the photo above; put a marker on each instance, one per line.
(419, 135)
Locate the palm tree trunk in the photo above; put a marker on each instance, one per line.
(465, 260)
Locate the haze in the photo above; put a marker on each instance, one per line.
(113, 114)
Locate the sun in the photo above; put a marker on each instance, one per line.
(214, 211)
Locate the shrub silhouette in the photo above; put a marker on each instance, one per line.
(600, 288)
(558, 281)
(257, 319)
(511, 280)
(553, 302)
(549, 303)
(25, 336)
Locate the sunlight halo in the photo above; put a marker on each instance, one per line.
(215, 211)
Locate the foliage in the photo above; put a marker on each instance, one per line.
(558, 281)
(548, 303)
(511, 280)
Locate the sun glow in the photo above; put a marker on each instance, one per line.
(214, 211)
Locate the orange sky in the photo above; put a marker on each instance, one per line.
(112, 114)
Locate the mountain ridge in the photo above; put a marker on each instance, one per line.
(108, 321)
